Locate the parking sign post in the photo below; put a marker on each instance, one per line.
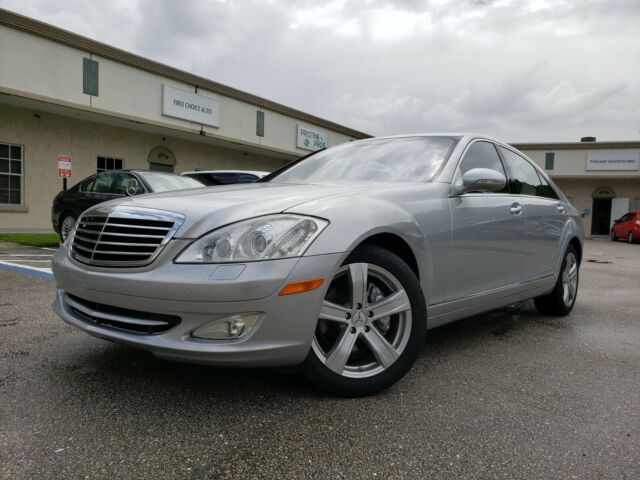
(64, 169)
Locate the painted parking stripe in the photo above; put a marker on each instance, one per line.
(35, 271)
(26, 255)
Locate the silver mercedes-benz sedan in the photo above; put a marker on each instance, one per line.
(338, 262)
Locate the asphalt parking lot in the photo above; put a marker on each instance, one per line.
(510, 394)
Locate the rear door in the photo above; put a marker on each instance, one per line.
(546, 215)
(488, 231)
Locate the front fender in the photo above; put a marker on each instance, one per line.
(352, 223)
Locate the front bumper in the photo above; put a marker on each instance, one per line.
(199, 294)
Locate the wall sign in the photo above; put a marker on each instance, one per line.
(190, 106)
(309, 139)
(64, 166)
(614, 161)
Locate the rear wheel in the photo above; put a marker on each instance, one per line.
(561, 300)
(66, 226)
(371, 325)
(630, 238)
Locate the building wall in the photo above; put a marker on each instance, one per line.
(580, 192)
(37, 68)
(45, 137)
(579, 184)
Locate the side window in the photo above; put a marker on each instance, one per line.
(246, 178)
(225, 177)
(127, 184)
(482, 155)
(99, 184)
(87, 185)
(524, 178)
(545, 189)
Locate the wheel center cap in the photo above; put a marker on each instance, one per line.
(359, 318)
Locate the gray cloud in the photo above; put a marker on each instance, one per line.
(520, 70)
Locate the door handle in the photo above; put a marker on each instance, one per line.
(516, 209)
(560, 207)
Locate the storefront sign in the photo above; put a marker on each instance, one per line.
(64, 166)
(310, 139)
(613, 161)
(190, 106)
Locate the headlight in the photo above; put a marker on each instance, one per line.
(262, 238)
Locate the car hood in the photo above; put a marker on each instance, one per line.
(208, 208)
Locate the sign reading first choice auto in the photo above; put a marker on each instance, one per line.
(190, 106)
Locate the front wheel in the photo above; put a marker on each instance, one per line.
(612, 235)
(66, 226)
(563, 297)
(371, 325)
(630, 238)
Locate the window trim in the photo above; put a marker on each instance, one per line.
(22, 205)
(541, 175)
(462, 157)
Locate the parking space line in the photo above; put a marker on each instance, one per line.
(45, 273)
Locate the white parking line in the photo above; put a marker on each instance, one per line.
(27, 267)
(3, 254)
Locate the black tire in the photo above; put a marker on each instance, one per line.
(326, 379)
(555, 303)
(613, 236)
(65, 218)
(630, 238)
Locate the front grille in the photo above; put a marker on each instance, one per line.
(134, 321)
(122, 237)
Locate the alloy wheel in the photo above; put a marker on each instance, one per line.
(630, 237)
(364, 322)
(570, 279)
(66, 227)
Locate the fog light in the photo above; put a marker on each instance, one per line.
(227, 328)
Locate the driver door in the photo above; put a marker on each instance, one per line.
(488, 233)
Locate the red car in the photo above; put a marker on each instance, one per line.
(627, 226)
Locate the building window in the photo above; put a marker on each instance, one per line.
(549, 160)
(11, 173)
(109, 163)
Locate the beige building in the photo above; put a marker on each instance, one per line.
(602, 179)
(66, 95)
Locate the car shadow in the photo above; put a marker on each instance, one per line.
(128, 371)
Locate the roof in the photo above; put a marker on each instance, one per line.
(58, 35)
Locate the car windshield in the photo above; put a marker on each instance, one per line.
(165, 182)
(403, 159)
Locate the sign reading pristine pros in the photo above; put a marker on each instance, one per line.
(613, 161)
(64, 166)
(309, 139)
(190, 106)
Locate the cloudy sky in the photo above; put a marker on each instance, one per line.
(521, 70)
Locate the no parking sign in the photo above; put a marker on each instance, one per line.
(64, 166)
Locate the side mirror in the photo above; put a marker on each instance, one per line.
(481, 180)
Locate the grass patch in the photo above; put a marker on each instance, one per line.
(32, 239)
